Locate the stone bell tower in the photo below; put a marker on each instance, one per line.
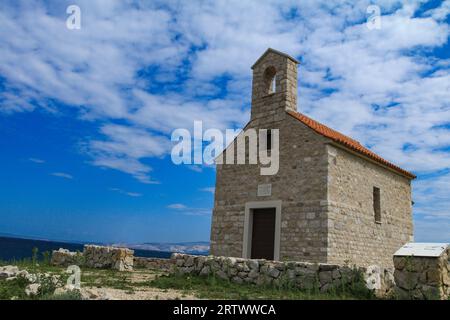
(274, 86)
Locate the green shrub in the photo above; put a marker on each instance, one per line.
(69, 295)
(46, 257)
(355, 286)
(47, 286)
(34, 255)
(13, 288)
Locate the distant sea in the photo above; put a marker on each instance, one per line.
(18, 248)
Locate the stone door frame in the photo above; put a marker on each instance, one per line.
(248, 226)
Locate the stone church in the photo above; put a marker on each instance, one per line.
(332, 200)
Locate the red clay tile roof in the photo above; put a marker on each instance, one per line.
(347, 142)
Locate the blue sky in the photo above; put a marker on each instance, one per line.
(86, 115)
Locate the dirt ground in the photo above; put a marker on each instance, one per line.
(138, 294)
(135, 279)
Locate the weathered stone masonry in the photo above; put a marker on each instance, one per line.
(103, 257)
(353, 235)
(96, 257)
(301, 275)
(423, 277)
(304, 219)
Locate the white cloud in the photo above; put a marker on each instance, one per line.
(441, 12)
(123, 147)
(177, 206)
(185, 210)
(128, 193)
(36, 160)
(62, 175)
(133, 194)
(209, 189)
(201, 212)
(195, 168)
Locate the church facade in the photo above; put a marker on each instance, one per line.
(332, 199)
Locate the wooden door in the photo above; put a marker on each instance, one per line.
(263, 234)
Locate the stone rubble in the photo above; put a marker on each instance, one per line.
(10, 273)
(85, 293)
(32, 289)
(94, 294)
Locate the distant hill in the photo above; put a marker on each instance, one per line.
(200, 247)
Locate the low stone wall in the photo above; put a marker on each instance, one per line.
(64, 257)
(422, 277)
(108, 257)
(153, 263)
(302, 275)
(96, 257)
(415, 277)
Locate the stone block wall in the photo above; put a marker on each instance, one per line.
(423, 277)
(96, 257)
(285, 96)
(301, 185)
(302, 275)
(108, 257)
(64, 257)
(353, 234)
(152, 263)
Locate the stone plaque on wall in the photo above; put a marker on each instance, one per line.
(264, 190)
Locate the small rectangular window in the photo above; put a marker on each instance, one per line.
(377, 204)
(269, 139)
